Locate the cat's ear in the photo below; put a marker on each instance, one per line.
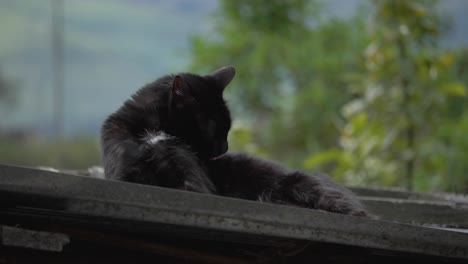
(224, 75)
(177, 88)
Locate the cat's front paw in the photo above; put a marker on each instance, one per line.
(132, 159)
(134, 152)
(338, 202)
(361, 213)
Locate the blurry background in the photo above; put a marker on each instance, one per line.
(372, 92)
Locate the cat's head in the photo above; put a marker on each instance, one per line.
(199, 114)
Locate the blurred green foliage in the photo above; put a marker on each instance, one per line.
(289, 80)
(370, 100)
(392, 128)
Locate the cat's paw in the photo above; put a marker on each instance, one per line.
(134, 152)
(337, 201)
(133, 158)
(361, 213)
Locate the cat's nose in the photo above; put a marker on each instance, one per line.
(224, 147)
(220, 148)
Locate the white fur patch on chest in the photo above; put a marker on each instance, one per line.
(153, 139)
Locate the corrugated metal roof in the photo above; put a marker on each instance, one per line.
(195, 227)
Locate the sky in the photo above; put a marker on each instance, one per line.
(113, 47)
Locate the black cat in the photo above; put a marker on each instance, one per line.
(167, 131)
(173, 132)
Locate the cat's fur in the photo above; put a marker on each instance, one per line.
(173, 132)
(165, 133)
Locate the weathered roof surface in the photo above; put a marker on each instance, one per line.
(205, 228)
(429, 209)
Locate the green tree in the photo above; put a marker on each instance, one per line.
(454, 125)
(392, 136)
(372, 104)
(290, 83)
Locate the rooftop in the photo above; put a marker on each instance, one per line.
(58, 217)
